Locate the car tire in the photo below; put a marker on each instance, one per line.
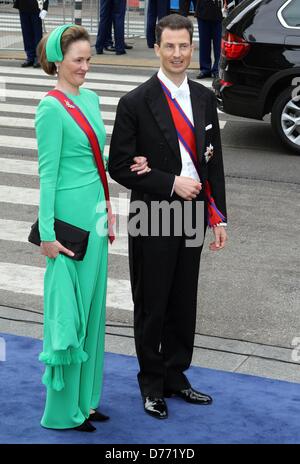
(282, 114)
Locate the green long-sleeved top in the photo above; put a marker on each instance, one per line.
(65, 157)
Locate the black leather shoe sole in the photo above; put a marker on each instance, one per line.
(200, 402)
(204, 401)
(157, 416)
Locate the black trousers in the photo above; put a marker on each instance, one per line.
(111, 12)
(164, 279)
(184, 6)
(157, 9)
(32, 32)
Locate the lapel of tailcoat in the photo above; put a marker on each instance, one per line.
(198, 107)
(160, 109)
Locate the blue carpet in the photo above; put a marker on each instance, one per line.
(246, 409)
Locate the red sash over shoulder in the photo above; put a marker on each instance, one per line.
(84, 124)
(186, 135)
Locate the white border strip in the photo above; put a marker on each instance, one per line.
(281, 18)
(242, 13)
(29, 280)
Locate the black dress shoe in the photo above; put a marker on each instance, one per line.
(128, 47)
(203, 75)
(215, 75)
(85, 427)
(156, 407)
(190, 396)
(123, 52)
(27, 63)
(110, 48)
(36, 64)
(98, 417)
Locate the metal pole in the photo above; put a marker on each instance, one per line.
(78, 12)
(91, 15)
(93, 6)
(64, 12)
(145, 16)
(127, 15)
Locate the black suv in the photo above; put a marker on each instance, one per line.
(260, 65)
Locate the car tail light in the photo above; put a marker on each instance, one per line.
(224, 84)
(234, 47)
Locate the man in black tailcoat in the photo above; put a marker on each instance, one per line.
(165, 120)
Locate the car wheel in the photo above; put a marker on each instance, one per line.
(285, 118)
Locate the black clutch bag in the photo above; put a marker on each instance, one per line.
(71, 237)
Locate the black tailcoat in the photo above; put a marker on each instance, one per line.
(29, 6)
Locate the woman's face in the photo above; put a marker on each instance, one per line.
(76, 63)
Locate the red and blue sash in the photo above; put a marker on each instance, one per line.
(84, 124)
(186, 135)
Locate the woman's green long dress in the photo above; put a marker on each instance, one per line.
(74, 291)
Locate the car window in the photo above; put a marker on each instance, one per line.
(291, 13)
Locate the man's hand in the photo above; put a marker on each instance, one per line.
(52, 249)
(186, 187)
(140, 166)
(220, 239)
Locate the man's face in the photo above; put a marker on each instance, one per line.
(175, 51)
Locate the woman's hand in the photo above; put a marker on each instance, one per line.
(111, 219)
(140, 166)
(52, 249)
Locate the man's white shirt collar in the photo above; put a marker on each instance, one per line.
(183, 91)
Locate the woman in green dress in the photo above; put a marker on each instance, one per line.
(71, 190)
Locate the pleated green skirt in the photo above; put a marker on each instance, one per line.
(74, 313)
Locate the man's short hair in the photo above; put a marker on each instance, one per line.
(175, 22)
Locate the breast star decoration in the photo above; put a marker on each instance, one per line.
(209, 153)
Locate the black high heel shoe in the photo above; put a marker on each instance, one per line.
(86, 426)
(98, 417)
